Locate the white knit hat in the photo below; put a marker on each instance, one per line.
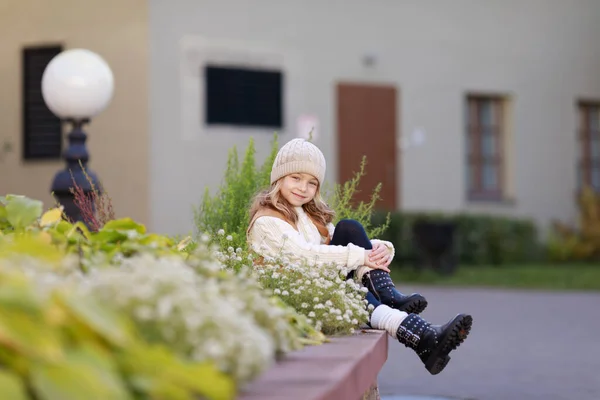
(299, 156)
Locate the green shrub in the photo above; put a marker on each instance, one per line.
(578, 243)
(340, 198)
(478, 240)
(114, 304)
(227, 210)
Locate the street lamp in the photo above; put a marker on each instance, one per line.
(77, 85)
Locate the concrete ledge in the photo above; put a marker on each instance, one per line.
(344, 369)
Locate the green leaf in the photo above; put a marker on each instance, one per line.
(101, 319)
(142, 365)
(52, 217)
(63, 227)
(79, 376)
(34, 246)
(11, 386)
(80, 229)
(214, 384)
(124, 224)
(109, 236)
(3, 212)
(22, 211)
(25, 333)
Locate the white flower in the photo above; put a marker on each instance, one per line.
(200, 317)
(221, 232)
(229, 238)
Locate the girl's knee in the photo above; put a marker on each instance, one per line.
(349, 224)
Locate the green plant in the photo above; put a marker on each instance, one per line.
(60, 345)
(96, 206)
(313, 291)
(478, 239)
(581, 243)
(340, 198)
(228, 209)
(176, 294)
(334, 304)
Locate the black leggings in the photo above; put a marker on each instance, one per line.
(350, 231)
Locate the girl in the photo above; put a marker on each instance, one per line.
(292, 218)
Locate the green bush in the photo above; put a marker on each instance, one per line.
(478, 240)
(132, 313)
(227, 210)
(340, 198)
(580, 243)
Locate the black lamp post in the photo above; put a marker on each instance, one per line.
(77, 85)
(76, 157)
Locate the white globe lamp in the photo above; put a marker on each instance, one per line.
(77, 84)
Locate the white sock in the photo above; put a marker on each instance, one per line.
(387, 318)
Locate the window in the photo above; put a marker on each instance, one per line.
(42, 130)
(589, 134)
(243, 97)
(484, 147)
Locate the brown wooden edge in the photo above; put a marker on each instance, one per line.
(346, 368)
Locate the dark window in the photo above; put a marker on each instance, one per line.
(243, 97)
(589, 149)
(42, 133)
(484, 147)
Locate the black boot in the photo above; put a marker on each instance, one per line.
(433, 343)
(380, 284)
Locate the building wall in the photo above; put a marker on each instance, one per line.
(543, 54)
(118, 139)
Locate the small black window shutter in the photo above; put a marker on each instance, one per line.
(42, 132)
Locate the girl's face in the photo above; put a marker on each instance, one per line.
(299, 189)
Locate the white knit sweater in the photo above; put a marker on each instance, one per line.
(273, 237)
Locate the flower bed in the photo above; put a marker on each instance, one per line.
(108, 307)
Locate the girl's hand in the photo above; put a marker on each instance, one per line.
(381, 254)
(372, 264)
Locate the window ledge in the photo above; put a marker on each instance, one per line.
(493, 200)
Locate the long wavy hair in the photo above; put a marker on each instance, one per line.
(317, 209)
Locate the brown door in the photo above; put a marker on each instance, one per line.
(366, 118)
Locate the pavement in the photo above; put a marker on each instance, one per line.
(524, 345)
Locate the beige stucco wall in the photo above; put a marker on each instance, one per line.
(118, 141)
(542, 54)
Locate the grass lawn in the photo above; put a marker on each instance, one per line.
(535, 276)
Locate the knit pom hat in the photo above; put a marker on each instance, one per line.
(299, 156)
